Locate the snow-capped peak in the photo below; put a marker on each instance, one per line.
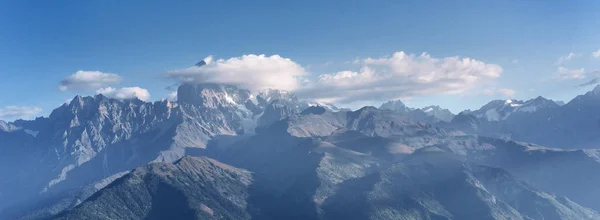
(268, 95)
(327, 106)
(253, 99)
(438, 112)
(502, 109)
(515, 105)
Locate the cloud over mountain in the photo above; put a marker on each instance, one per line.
(89, 80)
(125, 93)
(399, 76)
(251, 71)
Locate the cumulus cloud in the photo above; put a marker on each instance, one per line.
(596, 54)
(565, 73)
(401, 76)
(88, 80)
(251, 71)
(125, 93)
(568, 57)
(20, 112)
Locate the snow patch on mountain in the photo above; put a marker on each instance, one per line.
(498, 110)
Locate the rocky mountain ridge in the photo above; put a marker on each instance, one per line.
(92, 138)
(308, 156)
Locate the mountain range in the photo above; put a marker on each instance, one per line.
(221, 152)
(574, 125)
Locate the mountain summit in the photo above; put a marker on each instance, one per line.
(498, 110)
(395, 105)
(429, 114)
(200, 64)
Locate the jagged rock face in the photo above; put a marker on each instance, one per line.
(191, 188)
(73, 146)
(275, 112)
(211, 95)
(498, 110)
(438, 113)
(289, 100)
(430, 114)
(267, 96)
(92, 138)
(466, 122)
(538, 103)
(375, 122)
(6, 127)
(367, 121)
(395, 105)
(89, 124)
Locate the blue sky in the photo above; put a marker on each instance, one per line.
(42, 43)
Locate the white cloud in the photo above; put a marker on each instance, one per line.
(20, 112)
(89, 80)
(596, 54)
(562, 59)
(172, 96)
(125, 93)
(401, 76)
(515, 61)
(253, 72)
(564, 73)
